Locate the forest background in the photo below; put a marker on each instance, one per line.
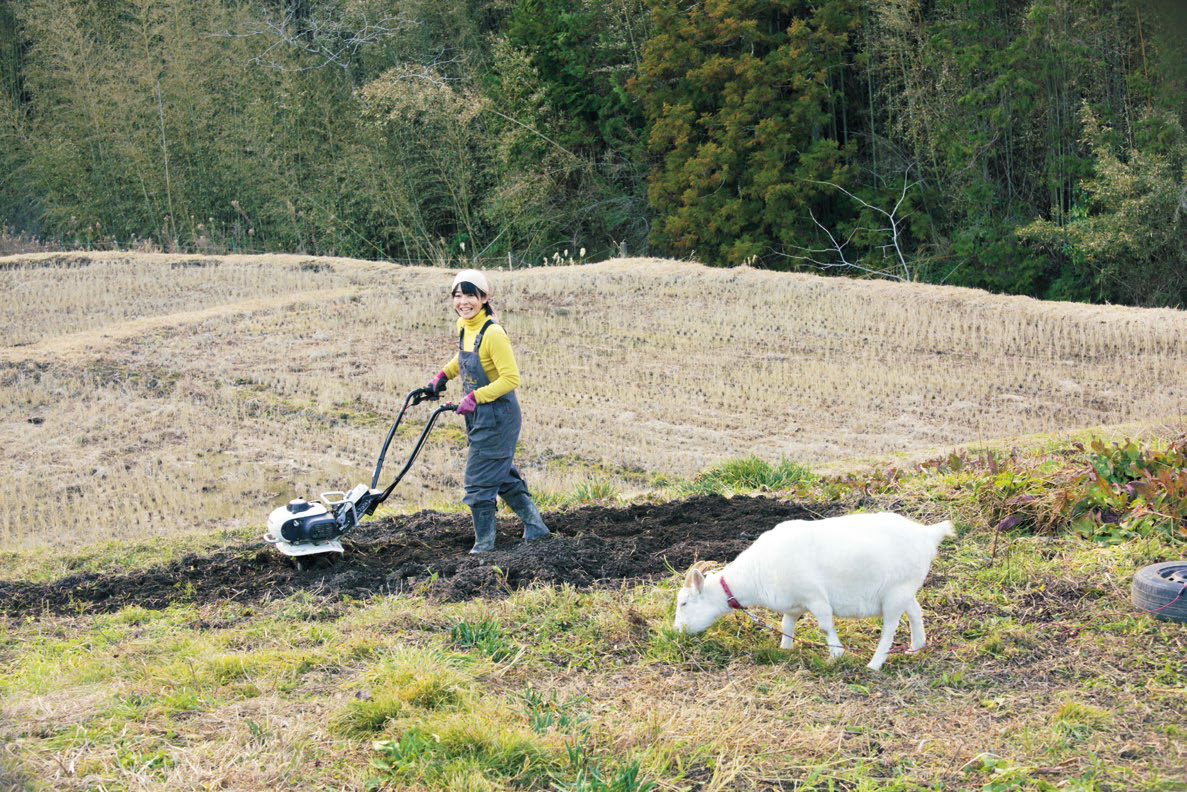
(1024, 146)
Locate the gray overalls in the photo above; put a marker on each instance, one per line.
(493, 431)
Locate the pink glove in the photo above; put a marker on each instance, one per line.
(468, 404)
(437, 384)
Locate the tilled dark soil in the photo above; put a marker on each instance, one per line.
(592, 545)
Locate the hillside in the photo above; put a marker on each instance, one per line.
(214, 388)
(153, 408)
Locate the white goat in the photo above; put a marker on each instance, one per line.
(859, 565)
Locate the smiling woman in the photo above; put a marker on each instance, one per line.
(490, 375)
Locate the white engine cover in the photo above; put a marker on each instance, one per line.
(293, 508)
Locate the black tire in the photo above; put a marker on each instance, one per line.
(315, 561)
(1158, 584)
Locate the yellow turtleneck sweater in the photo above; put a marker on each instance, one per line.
(496, 357)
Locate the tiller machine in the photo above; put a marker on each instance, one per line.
(310, 532)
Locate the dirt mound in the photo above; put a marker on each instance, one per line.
(590, 546)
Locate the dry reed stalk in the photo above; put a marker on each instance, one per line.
(212, 389)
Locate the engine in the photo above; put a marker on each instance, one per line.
(300, 521)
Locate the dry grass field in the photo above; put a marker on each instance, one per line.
(149, 395)
(171, 401)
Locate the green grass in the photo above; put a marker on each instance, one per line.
(459, 753)
(747, 474)
(484, 636)
(546, 711)
(438, 703)
(1038, 675)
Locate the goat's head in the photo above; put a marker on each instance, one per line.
(697, 607)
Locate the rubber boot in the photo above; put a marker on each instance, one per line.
(533, 524)
(484, 527)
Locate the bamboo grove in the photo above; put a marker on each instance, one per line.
(1024, 146)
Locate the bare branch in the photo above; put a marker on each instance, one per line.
(535, 132)
(839, 249)
(894, 230)
(330, 39)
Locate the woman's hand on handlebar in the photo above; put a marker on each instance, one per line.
(468, 404)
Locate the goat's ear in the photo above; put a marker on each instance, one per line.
(688, 576)
(698, 579)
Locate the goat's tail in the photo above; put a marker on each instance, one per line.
(941, 530)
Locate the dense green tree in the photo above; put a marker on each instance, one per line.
(740, 103)
(985, 97)
(570, 154)
(128, 119)
(17, 204)
(1029, 146)
(436, 144)
(1126, 235)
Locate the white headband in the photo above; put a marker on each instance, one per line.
(471, 276)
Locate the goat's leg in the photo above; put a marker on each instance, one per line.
(915, 615)
(891, 614)
(824, 618)
(789, 620)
